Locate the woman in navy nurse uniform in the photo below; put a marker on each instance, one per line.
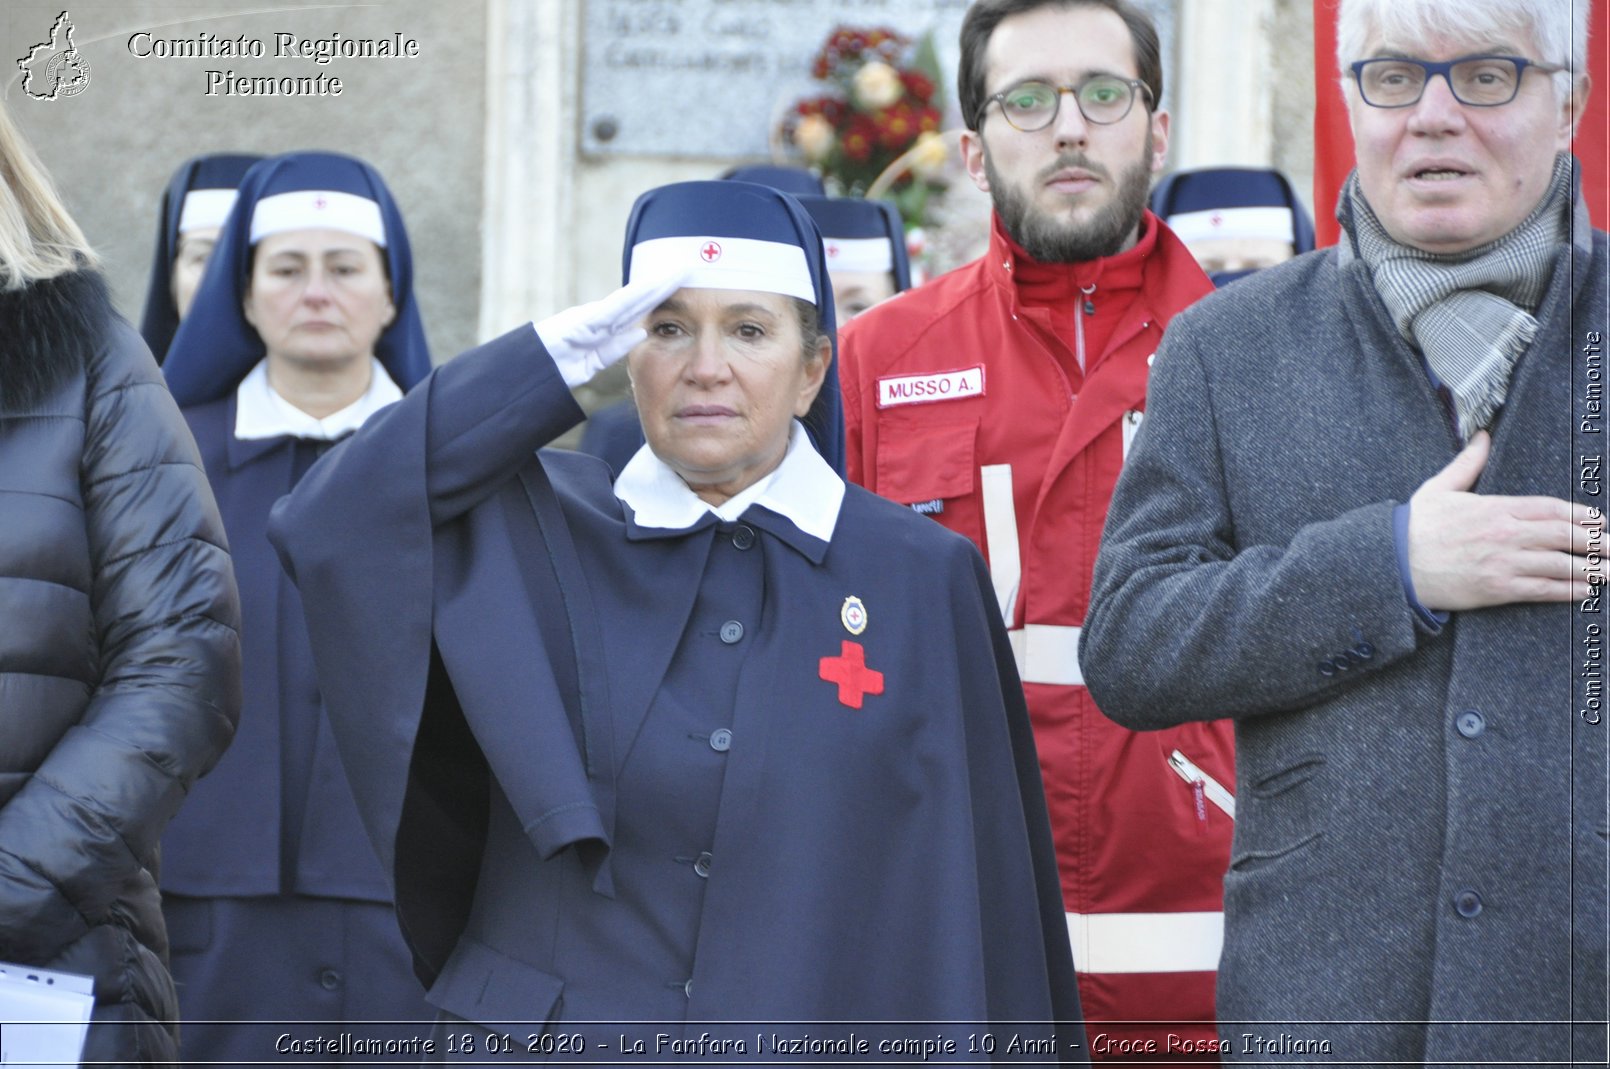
(194, 207)
(724, 746)
(277, 908)
(865, 245)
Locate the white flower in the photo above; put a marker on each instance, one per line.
(877, 85)
(815, 136)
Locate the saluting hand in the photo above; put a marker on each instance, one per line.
(591, 337)
(1468, 551)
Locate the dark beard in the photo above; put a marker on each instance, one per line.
(1052, 240)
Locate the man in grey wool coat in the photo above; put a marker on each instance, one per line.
(1363, 518)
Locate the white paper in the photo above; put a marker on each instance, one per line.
(44, 1016)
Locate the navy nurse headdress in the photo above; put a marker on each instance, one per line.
(215, 347)
(795, 180)
(199, 195)
(1233, 202)
(742, 236)
(862, 235)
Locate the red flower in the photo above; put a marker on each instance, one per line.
(897, 127)
(850, 145)
(918, 85)
(859, 137)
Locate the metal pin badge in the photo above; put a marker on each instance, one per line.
(853, 615)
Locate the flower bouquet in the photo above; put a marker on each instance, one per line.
(880, 104)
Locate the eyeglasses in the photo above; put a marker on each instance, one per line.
(1479, 81)
(1103, 100)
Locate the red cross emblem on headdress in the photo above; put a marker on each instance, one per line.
(320, 203)
(710, 253)
(832, 249)
(1216, 219)
(850, 672)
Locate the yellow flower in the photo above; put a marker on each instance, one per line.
(877, 85)
(814, 135)
(929, 155)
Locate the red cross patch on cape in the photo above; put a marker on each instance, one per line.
(850, 672)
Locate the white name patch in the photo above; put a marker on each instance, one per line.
(922, 389)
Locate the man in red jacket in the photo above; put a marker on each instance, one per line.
(1001, 399)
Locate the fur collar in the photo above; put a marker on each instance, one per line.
(48, 332)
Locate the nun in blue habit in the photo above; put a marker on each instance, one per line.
(721, 746)
(865, 245)
(194, 207)
(1235, 220)
(798, 181)
(864, 242)
(304, 327)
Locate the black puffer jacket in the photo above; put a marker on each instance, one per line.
(119, 655)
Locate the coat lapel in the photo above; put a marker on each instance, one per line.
(659, 574)
(227, 840)
(1532, 432)
(502, 629)
(259, 474)
(587, 676)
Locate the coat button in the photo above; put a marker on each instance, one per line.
(732, 631)
(1327, 668)
(1467, 903)
(1364, 650)
(1470, 723)
(329, 979)
(743, 537)
(701, 865)
(687, 989)
(1351, 658)
(721, 740)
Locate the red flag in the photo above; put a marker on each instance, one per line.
(1333, 141)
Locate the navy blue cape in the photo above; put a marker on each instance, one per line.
(510, 668)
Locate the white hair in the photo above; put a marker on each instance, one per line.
(1559, 29)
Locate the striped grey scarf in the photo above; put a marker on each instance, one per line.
(1470, 313)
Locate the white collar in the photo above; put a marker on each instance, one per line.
(802, 489)
(260, 412)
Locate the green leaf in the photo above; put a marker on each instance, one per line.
(926, 63)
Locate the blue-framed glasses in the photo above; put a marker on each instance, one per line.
(1479, 81)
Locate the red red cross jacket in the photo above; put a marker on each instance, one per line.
(957, 403)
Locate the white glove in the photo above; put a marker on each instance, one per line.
(586, 339)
